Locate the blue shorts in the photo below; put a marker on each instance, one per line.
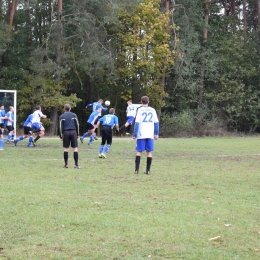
(130, 120)
(144, 145)
(36, 126)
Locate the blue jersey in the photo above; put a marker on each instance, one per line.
(109, 120)
(92, 118)
(95, 106)
(2, 114)
(10, 115)
(28, 121)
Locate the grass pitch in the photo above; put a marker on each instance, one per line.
(201, 201)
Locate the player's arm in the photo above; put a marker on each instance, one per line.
(44, 116)
(60, 128)
(156, 130)
(76, 122)
(104, 108)
(89, 105)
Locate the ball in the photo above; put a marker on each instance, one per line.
(107, 103)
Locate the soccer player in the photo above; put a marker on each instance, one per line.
(2, 120)
(90, 126)
(2, 126)
(130, 114)
(95, 106)
(9, 123)
(27, 130)
(68, 130)
(107, 123)
(36, 124)
(146, 130)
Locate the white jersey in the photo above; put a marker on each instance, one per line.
(146, 117)
(131, 109)
(37, 116)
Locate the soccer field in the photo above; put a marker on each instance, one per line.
(201, 201)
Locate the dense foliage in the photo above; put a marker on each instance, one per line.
(199, 61)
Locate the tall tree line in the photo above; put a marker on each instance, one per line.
(190, 55)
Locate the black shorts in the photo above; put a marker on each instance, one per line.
(70, 138)
(10, 128)
(106, 135)
(97, 120)
(89, 126)
(27, 130)
(2, 125)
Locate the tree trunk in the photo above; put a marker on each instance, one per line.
(258, 14)
(54, 111)
(12, 12)
(244, 19)
(203, 58)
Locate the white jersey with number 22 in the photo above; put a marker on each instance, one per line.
(146, 117)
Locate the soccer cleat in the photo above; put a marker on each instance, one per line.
(34, 143)
(95, 138)
(100, 155)
(103, 156)
(136, 172)
(29, 145)
(66, 166)
(81, 139)
(7, 142)
(127, 133)
(77, 167)
(15, 142)
(147, 172)
(89, 143)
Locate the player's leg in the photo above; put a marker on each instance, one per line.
(66, 144)
(26, 133)
(74, 145)
(108, 137)
(149, 147)
(140, 147)
(41, 134)
(103, 142)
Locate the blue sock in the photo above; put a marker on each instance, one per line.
(106, 148)
(101, 148)
(91, 139)
(12, 136)
(30, 139)
(86, 134)
(8, 137)
(20, 138)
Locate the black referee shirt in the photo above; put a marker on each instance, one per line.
(68, 121)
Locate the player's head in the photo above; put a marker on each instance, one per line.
(67, 107)
(2, 106)
(100, 101)
(144, 100)
(11, 108)
(129, 102)
(38, 108)
(112, 111)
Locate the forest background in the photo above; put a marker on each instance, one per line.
(197, 60)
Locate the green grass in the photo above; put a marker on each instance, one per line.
(197, 187)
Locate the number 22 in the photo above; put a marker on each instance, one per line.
(149, 115)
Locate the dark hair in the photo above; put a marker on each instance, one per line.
(67, 107)
(144, 100)
(37, 107)
(111, 111)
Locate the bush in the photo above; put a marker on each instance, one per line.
(190, 123)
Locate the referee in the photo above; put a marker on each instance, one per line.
(68, 130)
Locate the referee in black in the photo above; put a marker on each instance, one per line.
(68, 130)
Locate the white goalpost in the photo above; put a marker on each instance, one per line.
(9, 98)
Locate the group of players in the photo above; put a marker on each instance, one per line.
(146, 129)
(31, 126)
